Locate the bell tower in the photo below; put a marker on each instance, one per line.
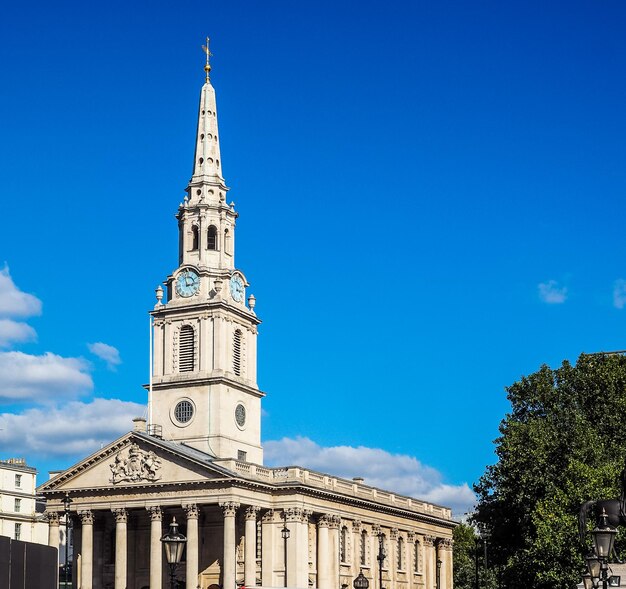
(204, 388)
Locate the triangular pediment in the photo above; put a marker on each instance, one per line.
(134, 460)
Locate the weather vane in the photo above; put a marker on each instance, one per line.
(207, 67)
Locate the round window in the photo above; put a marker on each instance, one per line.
(240, 415)
(183, 411)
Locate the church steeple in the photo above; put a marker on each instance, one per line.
(207, 165)
(204, 371)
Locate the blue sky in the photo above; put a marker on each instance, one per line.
(431, 200)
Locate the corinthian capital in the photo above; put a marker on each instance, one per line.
(191, 510)
(86, 517)
(52, 517)
(121, 515)
(251, 512)
(156, 513)
(229, 508)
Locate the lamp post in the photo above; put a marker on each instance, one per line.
(66, 508)
(438, 578)
(603, 538)
(360, 582)
(174, 544)
(381, 557)
(285, 533)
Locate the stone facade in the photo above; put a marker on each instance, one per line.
(233, 513)
(200, 460)
(20, 518)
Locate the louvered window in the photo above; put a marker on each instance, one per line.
(211, 243)
(186, 349)
(194, 238)
(237, 352)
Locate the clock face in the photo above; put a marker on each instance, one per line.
(187, 283)
(240, 415)
(236, 288)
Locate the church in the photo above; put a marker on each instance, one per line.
(198, 456)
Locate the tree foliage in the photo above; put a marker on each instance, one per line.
(563, 442)
(470, 554)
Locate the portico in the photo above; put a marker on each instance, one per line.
(232, 513)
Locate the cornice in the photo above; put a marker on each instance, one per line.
(166, 310)
(206, 380)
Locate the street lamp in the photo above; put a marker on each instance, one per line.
(285, 533)
(438, 581)
(381, 557)
(66, 508)
(603, 537)
(360, 582)
(174, 544)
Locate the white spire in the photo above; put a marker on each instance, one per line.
(207, 165)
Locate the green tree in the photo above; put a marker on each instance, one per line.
(563, 442)
(470, 553)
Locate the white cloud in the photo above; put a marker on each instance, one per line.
(15, 332)
(42, 378)
(550, 292)
(74, 430)
(395, 472)
(107, 353)
(14, 302)
(619, 293)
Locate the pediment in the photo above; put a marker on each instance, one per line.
(137, 460)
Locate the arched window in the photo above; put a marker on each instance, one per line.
(400, 549)
(186, 351)
(237, 352)
(194, 237)
(211, 238)
(416, 556)
(363, 548)
(343, 545)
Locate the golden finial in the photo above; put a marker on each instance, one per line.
(207, 67)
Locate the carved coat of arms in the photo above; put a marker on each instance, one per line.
(136, 465)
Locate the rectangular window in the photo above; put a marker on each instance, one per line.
(18, 504)
(18, 531)
(18, 480)
(242, 456)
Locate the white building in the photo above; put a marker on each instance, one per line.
(20, 518)
(200, 459)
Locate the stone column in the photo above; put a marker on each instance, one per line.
(323, 561)
(373, 554)
(444, 553)
(333, 546)
(392, 557)
(291, 518)
(411, 565)
(191, 575)
(230, 548)
(53, 529)
(429, 562)
(355, 565)
(86, 576)
(121, 556)
(249, 567)
(302, 549)
(156, 549)
(268, 553)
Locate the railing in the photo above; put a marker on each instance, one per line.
(336, 484)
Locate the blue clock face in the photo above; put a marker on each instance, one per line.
(236, 288)
(187, 283)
